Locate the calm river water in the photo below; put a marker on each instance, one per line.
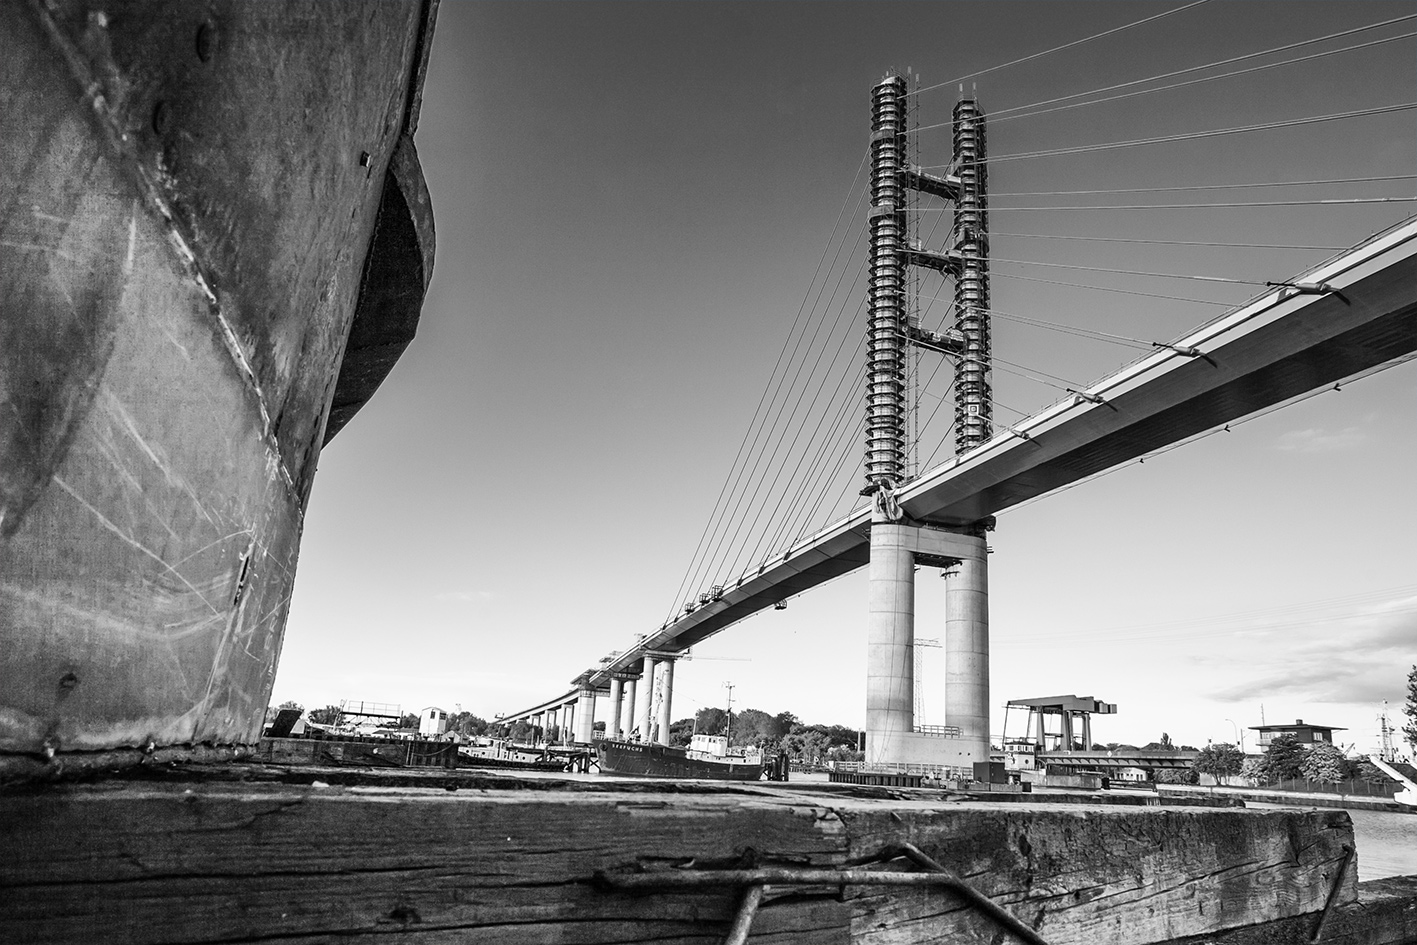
(1387, 843)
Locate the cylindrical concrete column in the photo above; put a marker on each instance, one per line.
(632, 695)
(666, 689)
(585, 716)
(617, 704)
(646, 707)
(967, 649)
(890, 641)
(1038, 719)
(1087, 731)
(1067, 730)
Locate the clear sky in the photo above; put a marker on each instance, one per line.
(630, 202)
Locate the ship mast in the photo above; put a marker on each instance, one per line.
(728, 732)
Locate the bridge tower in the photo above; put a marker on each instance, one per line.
(893, 735)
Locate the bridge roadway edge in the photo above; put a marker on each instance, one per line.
(235, 855)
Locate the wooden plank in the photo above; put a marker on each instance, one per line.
(1082, 874)
(1385, 914)
(228, 862)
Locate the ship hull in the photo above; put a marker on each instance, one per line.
(194, 197)
(661, 761)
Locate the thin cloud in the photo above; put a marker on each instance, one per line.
(1359, 657)
(467, 597)
(1313, 440)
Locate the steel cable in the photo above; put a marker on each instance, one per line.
(716, 514)
(1049, 52)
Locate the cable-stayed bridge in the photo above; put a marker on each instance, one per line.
(1353, 314)
(1293, 340)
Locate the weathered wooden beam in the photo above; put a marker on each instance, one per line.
(1385, 914)
(245, 862)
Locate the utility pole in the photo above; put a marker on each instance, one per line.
(920, 678)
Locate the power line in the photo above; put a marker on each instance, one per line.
(1195, 135)
(1121, 239)
(1006, 114)
(1089, 333)
(1041, 377)
(1210, 78)
(1132, 272)
(1313, 202)
(1103, 288)
(1048, 52)
(1151, 190)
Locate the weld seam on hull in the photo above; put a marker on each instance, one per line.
(151, 194)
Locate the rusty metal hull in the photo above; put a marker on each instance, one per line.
(192, 197)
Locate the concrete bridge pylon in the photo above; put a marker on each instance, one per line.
(893, 736)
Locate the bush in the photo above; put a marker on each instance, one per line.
(1325, 763)
(1177, 776)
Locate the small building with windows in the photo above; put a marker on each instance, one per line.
(432, 721)
(1306, 732)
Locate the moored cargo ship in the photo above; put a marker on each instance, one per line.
(707, 756)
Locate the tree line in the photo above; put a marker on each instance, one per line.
(1285, 758)
(807, 744)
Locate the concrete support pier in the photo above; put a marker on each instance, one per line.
(892, 737)
(890, 641)
(967, 647)
(666, 690)
(617, 704)
(644, 716)
(627, 724)
(585, 716)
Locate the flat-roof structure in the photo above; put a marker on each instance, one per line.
(1307, 733)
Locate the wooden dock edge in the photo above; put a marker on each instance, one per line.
(1384, 914)
(231, 861)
